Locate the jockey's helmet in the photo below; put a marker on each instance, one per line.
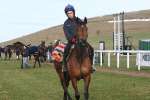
(69, 8)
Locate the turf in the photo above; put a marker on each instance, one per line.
(43, 84)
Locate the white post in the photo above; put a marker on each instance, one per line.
(139, 61)
(115, 32)
(114, 24)
(101, 59)
(108, 59)
(128, 60)
(118, 31)
(94, 59)
(118, 54)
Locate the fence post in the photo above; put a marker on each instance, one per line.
(118, 54)
(128, 60)
(101, 59)
(139, 59)
(94, 59)
(108, 59)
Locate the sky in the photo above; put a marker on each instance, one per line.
(21, 17)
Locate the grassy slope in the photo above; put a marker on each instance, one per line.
(43, 84)
(136, 29)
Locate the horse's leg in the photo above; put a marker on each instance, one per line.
(86, 87)
(65, 89)
(34, 61)
(68, 95)
(0, 54)
(10, 55)
(74, 84)
(39, 61)
(22, 63)
(65, 85)
(5, 55)
(29, 57)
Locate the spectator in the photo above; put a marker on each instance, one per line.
(25, 59)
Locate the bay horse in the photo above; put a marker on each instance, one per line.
(36, 51)
(1, 51)
(78, 64)
(18, 49)
(8, 51)
(39, 53)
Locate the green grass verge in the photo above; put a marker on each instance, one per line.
(43, 84)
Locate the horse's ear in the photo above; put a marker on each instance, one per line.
(85, 20)
(77, 20)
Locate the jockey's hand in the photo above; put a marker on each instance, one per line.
(73, 40)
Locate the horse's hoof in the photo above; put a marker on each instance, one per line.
(65, 98)
(69, 98)
(93, 70)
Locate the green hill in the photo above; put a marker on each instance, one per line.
(137, 30)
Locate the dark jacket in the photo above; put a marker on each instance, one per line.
(26, 52)
(69, 27)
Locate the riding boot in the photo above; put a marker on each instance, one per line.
(66, 52)
(65, 71)
(65, 66)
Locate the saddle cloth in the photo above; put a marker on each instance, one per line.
(57, 54)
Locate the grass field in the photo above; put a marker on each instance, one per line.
(43, 84)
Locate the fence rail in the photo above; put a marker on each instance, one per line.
(138, 52)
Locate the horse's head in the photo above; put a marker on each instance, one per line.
(82, 29)
(18, 44)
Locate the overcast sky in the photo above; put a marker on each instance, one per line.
(22, 17)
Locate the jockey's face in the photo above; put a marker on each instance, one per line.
(70, 14)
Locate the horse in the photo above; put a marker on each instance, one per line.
(8, 51)
(35, 51)
(18, 48)
(39, 53)
(1, 51)
(78, 64)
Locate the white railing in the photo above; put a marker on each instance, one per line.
(138, 52)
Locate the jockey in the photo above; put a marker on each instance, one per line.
(70, 32)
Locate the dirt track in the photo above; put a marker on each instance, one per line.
(129, 73)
